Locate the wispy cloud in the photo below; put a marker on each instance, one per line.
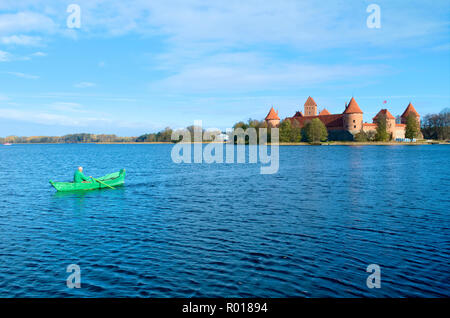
(89, 96)
(39, 54)
(27, 21)
(5, 56)
(47, 118)
(23, 75)
(305, 25)
(68, 107)
(85, 120)
(84, 85)
(21, 40)
(253, 72)
(441, 48)
(9, 57)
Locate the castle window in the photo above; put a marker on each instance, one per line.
(354, 121)
(354, 126)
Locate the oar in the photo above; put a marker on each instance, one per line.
(104, 183)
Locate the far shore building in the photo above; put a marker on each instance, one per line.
(272, 118)
(350, 122)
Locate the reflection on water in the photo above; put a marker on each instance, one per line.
(77, 199)
(204, 230)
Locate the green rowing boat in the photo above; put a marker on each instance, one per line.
(110, 180)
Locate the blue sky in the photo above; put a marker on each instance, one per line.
(139, 66)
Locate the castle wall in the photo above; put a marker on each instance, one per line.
(368, 128)
(272, 123)
(353, 122)
(399, 132)
(391, 127)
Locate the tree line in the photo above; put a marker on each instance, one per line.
(290, 131)
(314, 131)
(433, 126)
(437, 126)
(71, 138)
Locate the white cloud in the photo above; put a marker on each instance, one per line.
(305, 25)
(23, 75)
(21, 40)
(38, 117)
(254, 72)
(84, 84)
(441, 48)
(199, 36)
(8, 57)
(99, 121)
(39, 54)
(68, 107)
(5, 56)
(25, 22)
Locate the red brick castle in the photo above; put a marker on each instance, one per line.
(348, 123)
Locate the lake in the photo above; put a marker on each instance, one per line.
(225, 230)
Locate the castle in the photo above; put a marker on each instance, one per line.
(348, 123)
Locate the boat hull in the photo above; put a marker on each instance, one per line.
(113, 180)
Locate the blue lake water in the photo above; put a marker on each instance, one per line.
(225, 230)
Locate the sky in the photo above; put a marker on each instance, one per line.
(134, 67)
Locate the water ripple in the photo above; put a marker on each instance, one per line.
(225, 230)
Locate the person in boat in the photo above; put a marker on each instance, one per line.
(79, 177)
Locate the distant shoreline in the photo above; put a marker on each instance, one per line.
(326, 143)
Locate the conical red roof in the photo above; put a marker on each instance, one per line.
(272, 115)
(410, 110)
(310, 102)
(324, 112)
(384, 112)
(352, 107)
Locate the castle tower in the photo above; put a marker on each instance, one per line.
(390, 121)
(410, 110)
(310, 107)
(353, 117)
(324, 112)
(272, 118)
